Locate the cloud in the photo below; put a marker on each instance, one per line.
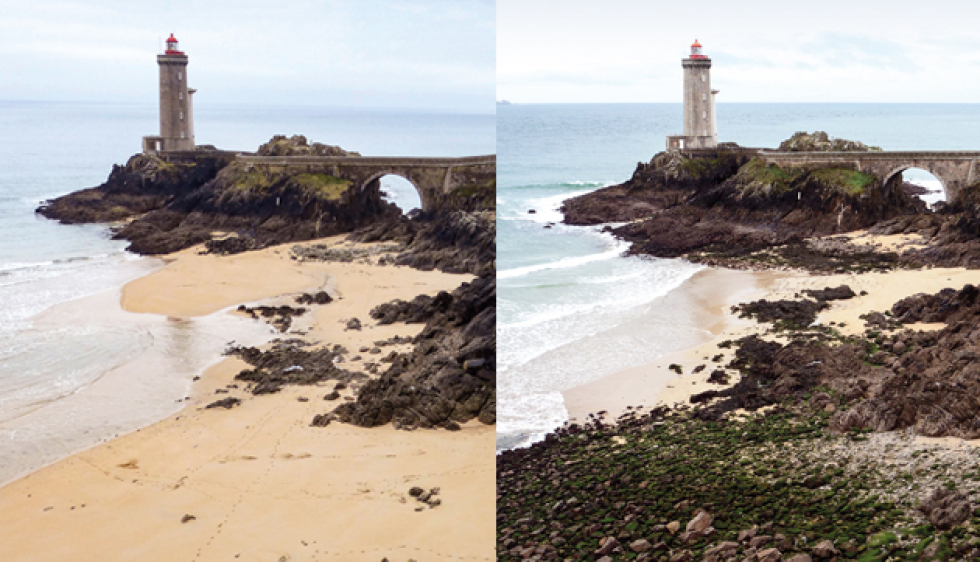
(255, 50)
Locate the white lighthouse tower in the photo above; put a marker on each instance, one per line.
(700, 124)
(176, 103)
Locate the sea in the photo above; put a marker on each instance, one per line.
(571, 308)
(75, 369)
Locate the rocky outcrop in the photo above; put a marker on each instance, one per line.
(819, 141)
(144, 184)
(297, 145)
(174, 204)
(731, 205)
(951, 236)
(453, 242)
(926, 381)
(450, 376)
(288, 363)
(722, 206)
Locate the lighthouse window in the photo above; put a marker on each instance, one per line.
(702, 77)
(180, 95)
(704, 115)
(181, 115)
(182, 134)
(180, 76)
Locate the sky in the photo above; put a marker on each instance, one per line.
(428, 55)
(761, 50)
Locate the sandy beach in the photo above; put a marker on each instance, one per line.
(256, 482)
(710, 294)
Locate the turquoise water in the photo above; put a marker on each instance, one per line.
(570, 309)
(52, 349)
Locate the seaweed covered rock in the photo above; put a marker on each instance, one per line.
(450, 376)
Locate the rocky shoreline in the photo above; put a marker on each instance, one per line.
(811, 447)
(448, 378)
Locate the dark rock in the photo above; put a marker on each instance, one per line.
(785, 314)
(418, 310)
(430, 387)
(831, 294)
(321, 297)
(287, 363)
(718, 376)
(227, 403)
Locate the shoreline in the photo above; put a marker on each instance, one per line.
(231, 470)
(707, 297)
(138, 386)
(653, 383)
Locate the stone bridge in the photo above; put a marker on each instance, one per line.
(433, 178)
(954, 169)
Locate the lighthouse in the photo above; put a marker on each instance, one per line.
(700, 125)
(176, 103)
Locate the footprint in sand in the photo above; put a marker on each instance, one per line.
(292, 456)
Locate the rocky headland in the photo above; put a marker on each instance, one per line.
(803, 438)
(168, 205)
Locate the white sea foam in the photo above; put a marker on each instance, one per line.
(565, 263)
(936, 191)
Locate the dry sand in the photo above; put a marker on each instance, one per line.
(256, 481)
(654, 383)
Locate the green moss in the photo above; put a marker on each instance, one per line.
(252, 181)
(757, 176)
(324, 186)
(848, 182)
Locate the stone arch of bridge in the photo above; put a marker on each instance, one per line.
(377, 175)
(894, 170)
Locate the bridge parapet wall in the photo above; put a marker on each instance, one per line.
(433, 178)
(954, 169)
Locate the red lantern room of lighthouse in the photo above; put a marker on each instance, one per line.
(695, 50)
(172, 46)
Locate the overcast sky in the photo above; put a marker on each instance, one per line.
(762, 50)
(417, 54)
